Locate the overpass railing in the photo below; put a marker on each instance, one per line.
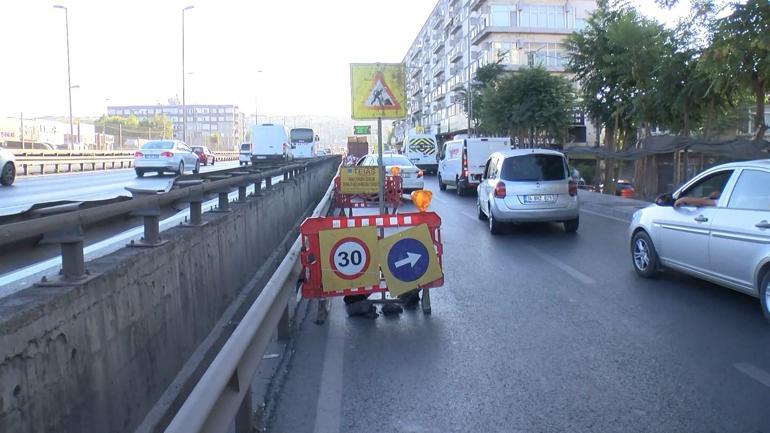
(29, 162)
(64, 224)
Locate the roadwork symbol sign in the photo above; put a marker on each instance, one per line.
(349, 258)
(377, 91)
(409, 260)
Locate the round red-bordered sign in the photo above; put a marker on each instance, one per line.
(349, 258)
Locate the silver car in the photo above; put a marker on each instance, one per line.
(165, 155)
(715, 227)
(528, 185)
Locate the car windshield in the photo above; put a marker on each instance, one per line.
(158, 145)
(534, 167)
(395, 160)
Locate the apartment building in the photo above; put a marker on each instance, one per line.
(203, 121)
(461, 35)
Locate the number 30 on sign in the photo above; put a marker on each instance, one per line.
(347, 258)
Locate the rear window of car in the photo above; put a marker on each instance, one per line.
(245, 146)
(158, 145)
(534, 167)
(197, 149)
(396, 160)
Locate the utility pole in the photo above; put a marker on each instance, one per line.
(69, 75)
(21, 119)
(468, 83)
(184, 102)
(120, 135)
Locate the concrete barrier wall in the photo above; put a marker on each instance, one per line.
(96, 357)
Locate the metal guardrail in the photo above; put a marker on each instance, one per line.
(66, 228)
(222, 391)
(30, 162)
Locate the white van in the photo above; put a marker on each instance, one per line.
(268, 141)
(422, 150)
(244, 154)
(462, 161)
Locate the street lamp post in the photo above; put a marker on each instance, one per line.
(256, 98)
(184, 102)
(69, 76)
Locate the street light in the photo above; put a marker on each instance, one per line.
(256, 97)
(184, 102)
(69, 77)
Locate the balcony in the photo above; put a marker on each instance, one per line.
(439, 68)
(456, 53)
(414, 71)
(438, 18)
(438, 45)
(475, 4)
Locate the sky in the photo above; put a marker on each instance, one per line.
(129, 52)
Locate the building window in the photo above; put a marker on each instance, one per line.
(502, 15)
(552, 17)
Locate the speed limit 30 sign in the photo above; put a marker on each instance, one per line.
(346, 258)
(349, 258)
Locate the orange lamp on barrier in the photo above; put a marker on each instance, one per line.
(421, 199)
(394, 171)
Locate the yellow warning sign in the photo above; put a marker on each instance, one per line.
(377, 91)
(409, 260)
(349, 258)
(359, 180)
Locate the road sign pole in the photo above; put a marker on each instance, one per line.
(381, 167)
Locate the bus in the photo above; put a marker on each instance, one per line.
(302, 141)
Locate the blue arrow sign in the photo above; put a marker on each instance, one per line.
(408, 259)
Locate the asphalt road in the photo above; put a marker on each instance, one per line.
(92, 185)
(537, 331)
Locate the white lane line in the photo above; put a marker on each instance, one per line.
(754, 372)
(605, 216)
(329, 406)
(440, 200)
(473, 217)
(574, 273)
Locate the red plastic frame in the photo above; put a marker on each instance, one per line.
(312, 286)
(393, 191)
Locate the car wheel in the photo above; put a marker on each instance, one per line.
(459, 187)
(213, 160)
(482, 216)
(139, 173)
(197, 168)
(495, 227)
(643, 255)
(180, 169)
(8, 175)
(764, 295)
(571, 226)
(441, 184)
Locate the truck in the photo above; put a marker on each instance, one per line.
(358, 147)
(462, 161)
(422, 150)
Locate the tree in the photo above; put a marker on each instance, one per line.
(485, 75)
(159, 125)
(530, 105)
(214, 140)
(741, 41)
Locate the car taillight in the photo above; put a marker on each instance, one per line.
(167, 154)
(419, 173)
(500, 190)
(465, 163)
(572, 188)
(138, 154)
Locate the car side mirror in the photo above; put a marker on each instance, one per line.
(665, 200)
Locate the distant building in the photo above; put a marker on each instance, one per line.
(203, 121)
(461, 35)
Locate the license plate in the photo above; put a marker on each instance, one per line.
(406, 175)
(540, 198)
(150, 156)
(414, 159)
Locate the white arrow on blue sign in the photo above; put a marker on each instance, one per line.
(408, 259)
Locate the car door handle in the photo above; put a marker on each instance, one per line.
(762, 225)
(701, 219)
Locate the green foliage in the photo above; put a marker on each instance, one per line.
(530, 105)
(158, 126)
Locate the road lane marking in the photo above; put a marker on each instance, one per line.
(753, 372)
(473, 217)
(574, 273)
(329, 405)
(440, 200)
(605, 216)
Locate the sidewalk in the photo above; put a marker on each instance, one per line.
(611, 205)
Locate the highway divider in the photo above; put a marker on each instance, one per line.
(37, 162)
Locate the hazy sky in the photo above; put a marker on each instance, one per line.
(130, 52)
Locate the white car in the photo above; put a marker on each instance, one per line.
(412, 177)
(7, 167)
(244, 155)
(720, 231)
(165, 156)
